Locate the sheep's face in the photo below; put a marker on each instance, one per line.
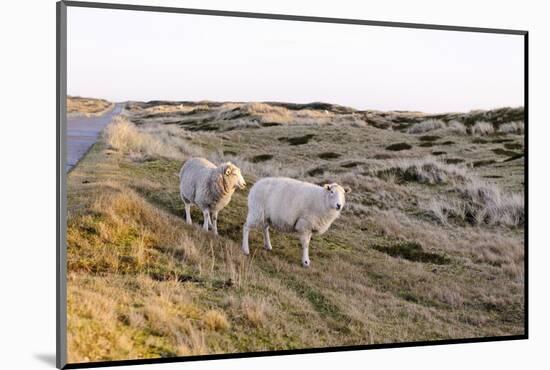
(336, 196)
(233, 175)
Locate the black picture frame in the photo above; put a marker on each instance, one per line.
(61, 154)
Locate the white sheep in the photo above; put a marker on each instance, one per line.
(209, 187)
(292, 206)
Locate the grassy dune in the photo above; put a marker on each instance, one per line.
(79, 106)
(429, 245)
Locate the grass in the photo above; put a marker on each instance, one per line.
(254, 310)
(144, 284)
(425, 171)
(426, 126)
(482, 128)
(412, 251)
(516, 127)
(77, 105)
(481, 203)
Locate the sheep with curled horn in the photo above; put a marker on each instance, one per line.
(208, 186)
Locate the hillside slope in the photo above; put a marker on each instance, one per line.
(429, 246)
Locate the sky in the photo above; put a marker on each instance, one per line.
(123, 55)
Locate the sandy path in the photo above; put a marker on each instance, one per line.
(82, 133)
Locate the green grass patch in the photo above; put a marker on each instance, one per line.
(412, 251)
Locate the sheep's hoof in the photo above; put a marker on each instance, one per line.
(306, 264)
(268, 247)
(246, 252)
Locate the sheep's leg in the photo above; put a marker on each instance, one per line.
(304, 240)
(251, 222)
(188, 213)
(206, 214)
(215, 222)
(303, 227)
(267, 241)
(246, 231)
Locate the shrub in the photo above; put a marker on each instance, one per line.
(486, 203)
(482, 128)
(425, 170)
(516, 127)
(480, 203)
(426, 126)
(457, 127)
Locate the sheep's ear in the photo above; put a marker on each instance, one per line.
(227, 170)
(347, 189)
(327, 186)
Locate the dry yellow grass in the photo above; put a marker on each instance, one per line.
(144, 284)
(123, 135)
(254, 310)
(88, 106)
(215, 320)
(176, 108)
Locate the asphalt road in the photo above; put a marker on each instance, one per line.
(83, 132)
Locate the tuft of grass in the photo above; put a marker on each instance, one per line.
(425, 171)
(516, 127)
(215, 320)
(486, 203)
(482, 128)
(123, 136)
(254, 310)
(426, 126)
(480, 203)
(457, 127)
